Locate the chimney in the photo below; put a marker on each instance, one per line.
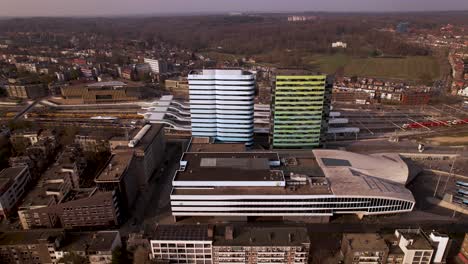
(229, 233)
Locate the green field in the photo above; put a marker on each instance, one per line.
(411, 68)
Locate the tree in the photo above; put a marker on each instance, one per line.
(119, 256)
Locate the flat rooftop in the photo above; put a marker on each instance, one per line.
(89, 241)
(365, 241)
(326, 172)
(261, 236)
(8, 175)
(149, 136)
(115, 167)
(233, 166)
(28, 237)
(181, 232)
(37, 197)
(219, 72)
(216, 147)
(419, 241)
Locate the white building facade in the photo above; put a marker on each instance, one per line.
(222, 105)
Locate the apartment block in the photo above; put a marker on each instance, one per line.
(13, 184)
(31, 247)
(182, 244)
(287, 245)
(364, 248)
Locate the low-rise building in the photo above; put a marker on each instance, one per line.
(104, 92)
(179, 87)
(208, 245)
(13, 183)
(182, 244)
(30, 247)
(364, 248)
(463, 255)
(289, 245)
(415, 246)
(51, 246)
(96, 247)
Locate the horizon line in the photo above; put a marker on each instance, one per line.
(165, 14)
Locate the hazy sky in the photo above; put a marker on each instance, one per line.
(123, 7)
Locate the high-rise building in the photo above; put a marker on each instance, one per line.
(301, 106)
(222, 104)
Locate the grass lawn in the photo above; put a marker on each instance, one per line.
(411, 68)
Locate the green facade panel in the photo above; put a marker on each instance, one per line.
(298, 111)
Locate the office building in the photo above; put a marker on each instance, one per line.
(364, 248)
(301, 106)
(13, 183)
(182, 244)
(253, 184)
(156, 66)
(289, 245)
(222, 104)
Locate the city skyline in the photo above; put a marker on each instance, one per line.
(145, 7)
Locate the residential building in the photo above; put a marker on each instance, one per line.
(50, 246)
(93, 141)
(415, 98)
(301, 107)
(330, 182)
(301, 18)
(222, 105)
(13, 184)
(463, 255)
(182, 244)
(415, 246)
(339, 44)
(288, 245)
(85, 208)
(364, 248)
(97, 246)
(118, 176)
(156, 66)
(29, 247)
